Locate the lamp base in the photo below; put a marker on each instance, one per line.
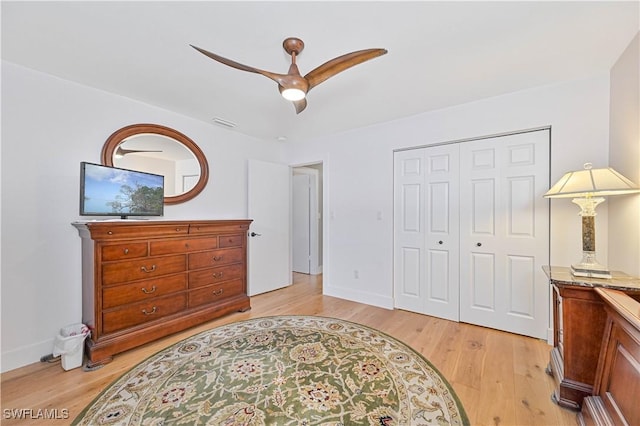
(590, 267)
(589, 273)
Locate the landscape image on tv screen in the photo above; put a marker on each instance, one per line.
(110, 191)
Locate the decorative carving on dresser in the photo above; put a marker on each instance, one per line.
(143, 280)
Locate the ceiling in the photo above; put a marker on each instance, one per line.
(440, 53)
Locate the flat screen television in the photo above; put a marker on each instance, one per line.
(112, 191)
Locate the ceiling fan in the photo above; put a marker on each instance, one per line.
(121, 152)
(292, 85)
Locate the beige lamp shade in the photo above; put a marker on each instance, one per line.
(590, 182)
(587, 187)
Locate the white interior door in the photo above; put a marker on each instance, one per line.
(301, 226)
(269, 237)
(504, 233)
(426, 231)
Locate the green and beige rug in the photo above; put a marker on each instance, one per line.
(285, 370)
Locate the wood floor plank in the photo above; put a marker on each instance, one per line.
(499, 377)
(498, 365)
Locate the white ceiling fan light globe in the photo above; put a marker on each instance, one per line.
(293, 94)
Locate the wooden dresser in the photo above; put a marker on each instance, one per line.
(617, 389)
(142, 280)
(579, 319)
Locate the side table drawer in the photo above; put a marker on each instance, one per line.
(142, 312)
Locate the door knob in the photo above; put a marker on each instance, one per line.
(254, 234)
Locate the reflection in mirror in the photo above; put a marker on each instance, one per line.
(160, 150)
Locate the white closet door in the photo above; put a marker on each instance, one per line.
(426, 231)
(504, 233)
(442, 231)
(409, 245)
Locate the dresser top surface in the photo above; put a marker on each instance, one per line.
(144, 222)
(560, 275)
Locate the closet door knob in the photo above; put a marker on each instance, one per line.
(440, 242)
(479, 244)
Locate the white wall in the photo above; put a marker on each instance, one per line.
(624, 153)
(358, 173)
(49, 126)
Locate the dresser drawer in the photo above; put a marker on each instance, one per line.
(208, 228)
(132, 270)
(208, 259)
(205, 277)
(230, 240)
(186, 245)
(110, 231)
(215, 293)
(124, 251)
(139, 313)
(142, 290)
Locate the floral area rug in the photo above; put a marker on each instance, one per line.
(285, 370)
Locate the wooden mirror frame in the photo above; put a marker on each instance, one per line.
(112, 143)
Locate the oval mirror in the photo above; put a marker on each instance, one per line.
(160, 150)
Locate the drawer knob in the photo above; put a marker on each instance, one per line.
(218, 292)
(178, 229)
(217, 258)
(145, 291)
(153, 311)
(126, 251)
(110, 232)
(144, 269)
(217, 275)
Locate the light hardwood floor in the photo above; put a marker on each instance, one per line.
(498, 376)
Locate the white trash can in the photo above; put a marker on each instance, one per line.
(70, 344)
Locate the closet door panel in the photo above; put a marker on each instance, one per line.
(442, 231)
(482, 277)
(409, 230)
(504, 178)
(521, 286)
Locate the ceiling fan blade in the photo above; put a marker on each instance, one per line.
(339, 64)
(123, 151)
(300, 105)
(233, 64)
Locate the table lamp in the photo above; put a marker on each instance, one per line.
(587, 187)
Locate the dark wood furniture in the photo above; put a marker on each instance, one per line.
(616, 397)
(579, 319)
(142, 280)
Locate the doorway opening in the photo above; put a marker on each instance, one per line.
(307, 218)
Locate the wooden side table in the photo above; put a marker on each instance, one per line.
(578, 322)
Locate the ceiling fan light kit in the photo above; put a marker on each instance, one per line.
(293, 86)
(293, 94)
